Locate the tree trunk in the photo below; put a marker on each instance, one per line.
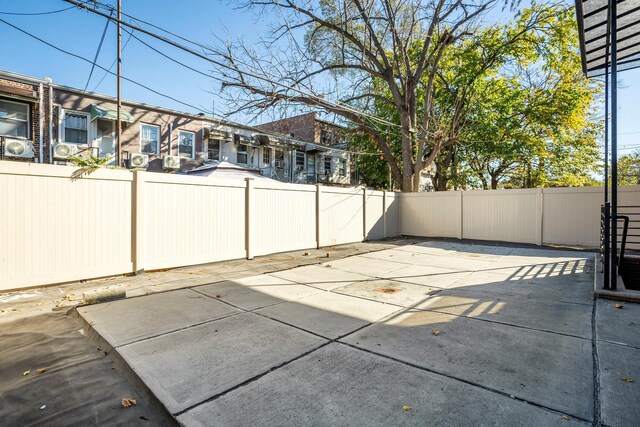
(494, 182)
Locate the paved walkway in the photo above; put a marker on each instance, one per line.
(434, 333)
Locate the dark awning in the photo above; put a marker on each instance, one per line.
(592, 28)
(245, 139)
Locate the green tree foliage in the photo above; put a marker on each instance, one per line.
(514, 101)
(629, 169)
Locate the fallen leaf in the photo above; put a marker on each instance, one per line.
(27, 372)
(626, 379)
(619, 306)
(406, 408)
(566, 417)
(128, 401)
(328, 255)
(435, 331)
(307, 254)
(41, 371)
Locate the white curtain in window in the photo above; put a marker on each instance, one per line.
(14, 119)
(76, 121)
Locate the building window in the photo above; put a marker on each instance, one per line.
(149, 139)
(299, 161)
(343, 167)
(326, 137)
(76, 128)
(213, 149)
(14, 119)
(242, 153)
(186, 144)
(266, 155)
(327, 165)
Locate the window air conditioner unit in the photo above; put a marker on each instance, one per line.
(171, 162)
(278, 164)
(299, 168)
(138, 160)
(64, 151)
(14, 147)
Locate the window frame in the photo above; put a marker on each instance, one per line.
(342, 167)
(245, 153)
(327, 170)
(29, 108)
(193, 144)
(330, 136)
(300, 155)
(63, 127)
(156, 153)
(266, 156)
(209, 149)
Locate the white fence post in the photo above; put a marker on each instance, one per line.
(318, 213)
(461, 230)
(384, 214)
(247, 217)
(137, 227)
(364, 213)
(540, 206)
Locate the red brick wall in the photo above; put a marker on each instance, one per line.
(34, 117)
(302, 127)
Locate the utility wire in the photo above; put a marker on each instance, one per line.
(36, 13)
(220, 64)
(112, 64)
(95, 59)
(99, 66)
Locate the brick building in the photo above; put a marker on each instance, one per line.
(44, 122)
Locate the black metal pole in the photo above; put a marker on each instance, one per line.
(607, 219)
(613, 5)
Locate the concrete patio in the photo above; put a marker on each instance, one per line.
(438, 333)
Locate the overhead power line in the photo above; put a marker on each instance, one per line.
(95, 59)
(36, 13)
(99, 66)
(223, 65)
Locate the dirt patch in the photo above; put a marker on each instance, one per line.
(387, 290)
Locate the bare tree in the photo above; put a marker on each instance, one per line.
(345, 56)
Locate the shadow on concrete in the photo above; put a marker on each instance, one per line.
(505, 335)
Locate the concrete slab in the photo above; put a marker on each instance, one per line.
(549, 369)
(573, 288)
(321, 277)
(618, 325)
(189, 366)
(328, 314)
(533, 255)
(389, 291)
(459, 248)
(450, 262)
(255, 292)
(528, 312)
(618, 397)
(125, 321)
(365, 266)
(341, 386)
(436, 277)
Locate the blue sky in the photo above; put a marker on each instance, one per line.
(200, 20)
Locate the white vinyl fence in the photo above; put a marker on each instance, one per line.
(57, 229)
(560, 216)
